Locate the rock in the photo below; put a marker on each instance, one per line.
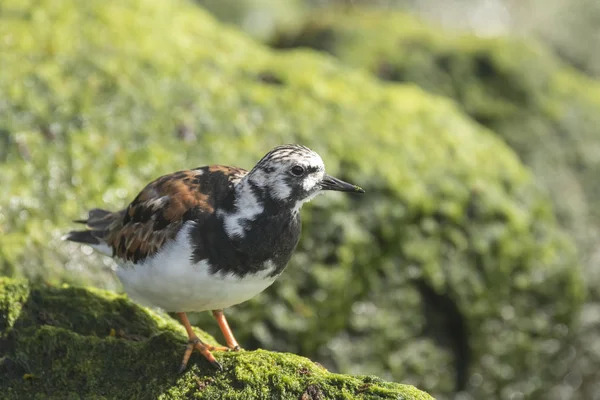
(67, 342)
(546, 111)
(444, 275)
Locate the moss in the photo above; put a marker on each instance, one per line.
(446, 273)
(547, 112)
(12, 298)
(58, 346)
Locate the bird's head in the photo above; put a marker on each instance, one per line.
(294, 174)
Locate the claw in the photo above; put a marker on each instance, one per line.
(182, 367)
(204, 349)
(195, 343)
(216, 364)
(186, 355)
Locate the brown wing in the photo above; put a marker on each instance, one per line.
(159, 211)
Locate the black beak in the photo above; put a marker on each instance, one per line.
(331, 183)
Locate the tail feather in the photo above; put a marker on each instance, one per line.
(98, 213)
(97, 219)
(91, 238)
(98, 223)
(87, 237)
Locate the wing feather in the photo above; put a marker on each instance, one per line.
(159, 211)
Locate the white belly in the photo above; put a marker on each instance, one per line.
(170, 280)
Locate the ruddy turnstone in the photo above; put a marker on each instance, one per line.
(211, 237)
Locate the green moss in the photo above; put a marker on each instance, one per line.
(446, 270)
(547, 112)
(59, 346)
(12, 297)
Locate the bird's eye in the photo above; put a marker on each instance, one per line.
(297, 170)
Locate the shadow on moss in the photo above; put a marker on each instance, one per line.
(65, 342)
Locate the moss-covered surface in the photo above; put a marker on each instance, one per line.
(547, 112)
(444, 276)
(62, 343)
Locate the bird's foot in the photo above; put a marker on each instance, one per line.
(235, 347)
(217, 348)
(204, 349)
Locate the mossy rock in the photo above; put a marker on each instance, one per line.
(67, 342)
(444, 275)
(546, 111)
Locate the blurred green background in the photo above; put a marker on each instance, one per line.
(470, 268)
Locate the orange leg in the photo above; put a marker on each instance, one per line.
(194, 342)
(229, 339)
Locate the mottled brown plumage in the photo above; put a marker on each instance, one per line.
(159, 210)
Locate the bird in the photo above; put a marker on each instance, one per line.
(211, 237)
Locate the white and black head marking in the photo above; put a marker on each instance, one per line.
(283, 180)
(294, 174)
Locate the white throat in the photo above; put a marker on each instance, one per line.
(299, 203)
